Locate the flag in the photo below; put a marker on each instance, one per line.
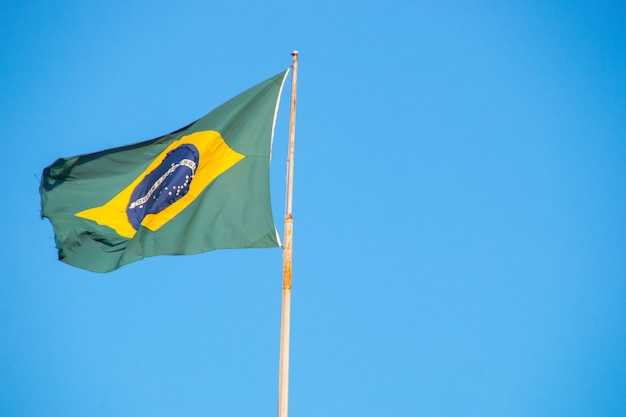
(200, 188)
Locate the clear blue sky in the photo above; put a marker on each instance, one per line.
(460, 210)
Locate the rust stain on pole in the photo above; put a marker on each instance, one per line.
(287, 258)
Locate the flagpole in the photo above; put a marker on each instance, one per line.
(283, 372)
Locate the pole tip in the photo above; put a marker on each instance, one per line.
(294, 52)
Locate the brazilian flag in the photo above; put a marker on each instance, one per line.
(200, 188)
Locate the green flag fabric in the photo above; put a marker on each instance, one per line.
(200, 188)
